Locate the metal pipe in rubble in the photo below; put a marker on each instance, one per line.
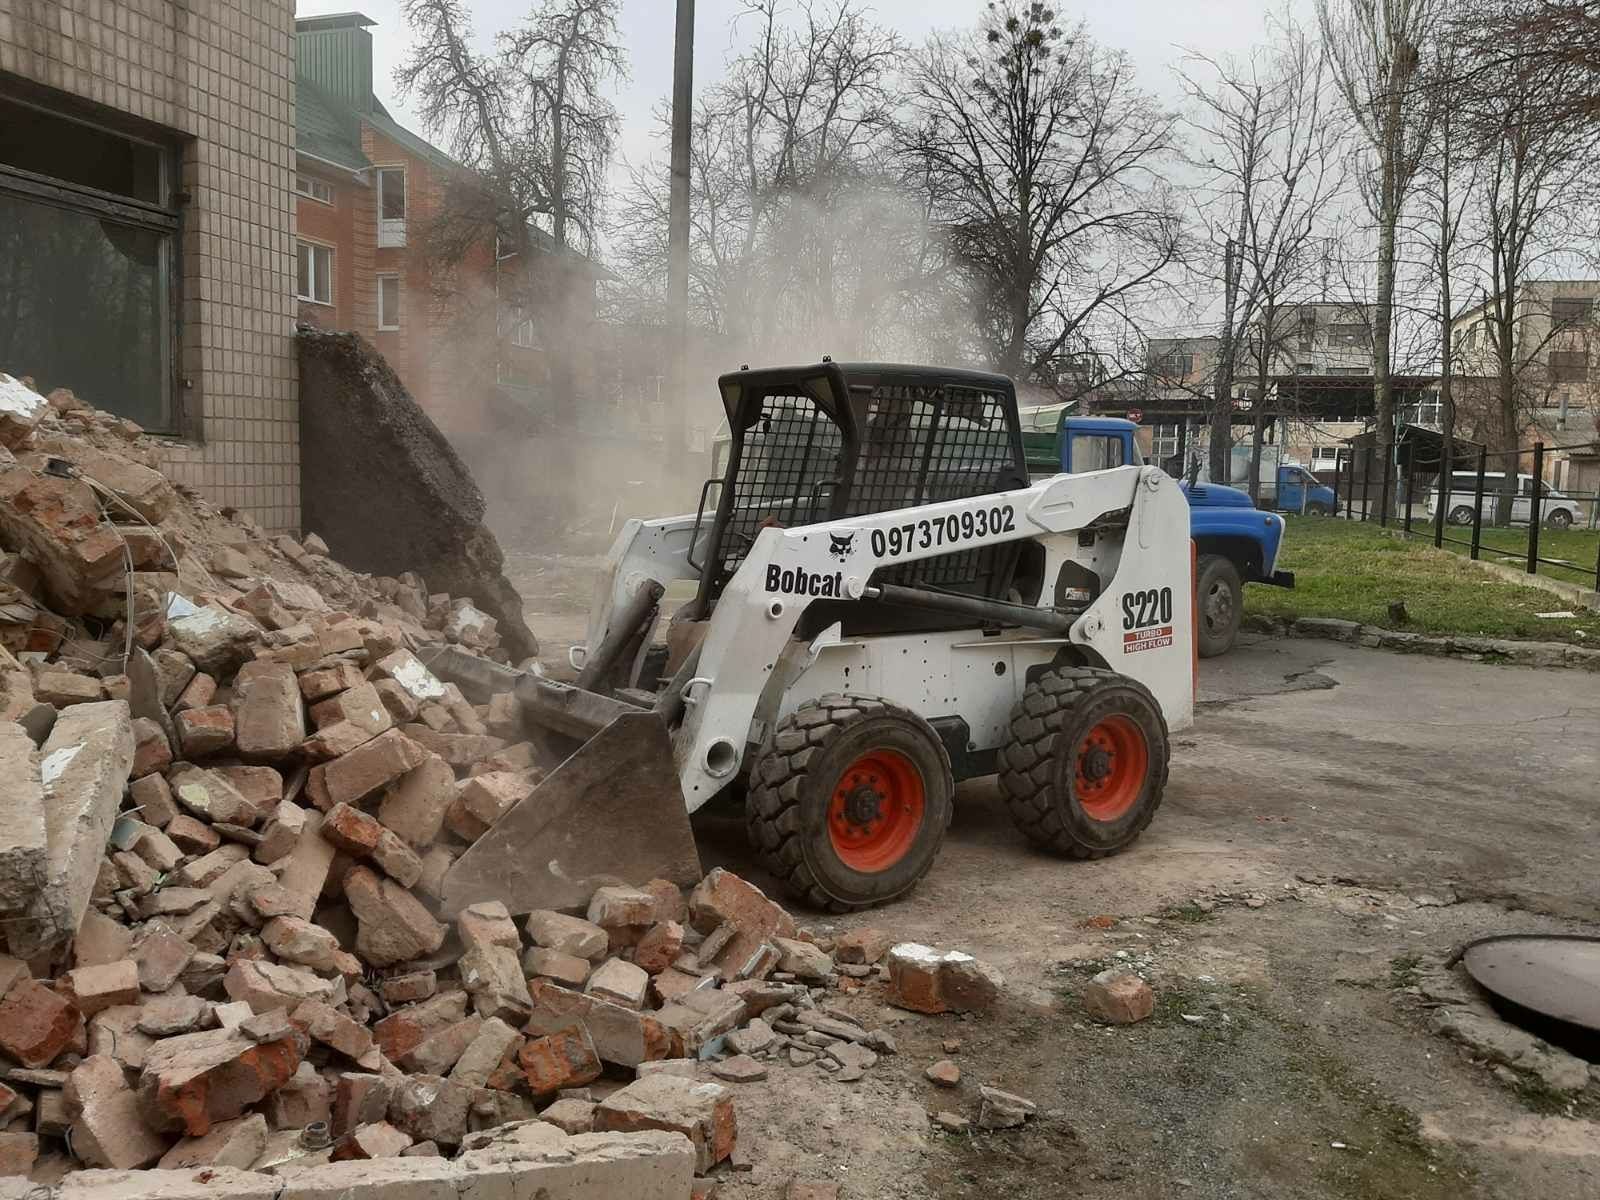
(973, 606)
(625, 627)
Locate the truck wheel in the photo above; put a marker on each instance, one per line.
(1318, 509)
(1085, 762)
(1220, 603)
(849, 800)
(1559, 519)
(1461, 514)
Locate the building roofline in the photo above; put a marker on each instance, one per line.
(344, 20)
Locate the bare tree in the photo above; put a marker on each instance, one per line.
(1267, 148)
(802, 239)
(1375, 48)
(1045, 158)
(1536, 189)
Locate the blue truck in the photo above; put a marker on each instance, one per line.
(1236, 543)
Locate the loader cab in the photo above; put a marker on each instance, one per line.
(835, 440)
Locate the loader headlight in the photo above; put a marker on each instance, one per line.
(722, 756)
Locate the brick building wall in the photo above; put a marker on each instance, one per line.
(220, 76)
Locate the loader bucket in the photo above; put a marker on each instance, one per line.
(612, 812)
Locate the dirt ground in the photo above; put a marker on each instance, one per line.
(1340, 812)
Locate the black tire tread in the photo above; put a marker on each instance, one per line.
(1027, 764)
(772, 808)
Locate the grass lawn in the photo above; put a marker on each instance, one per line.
(1353, 571)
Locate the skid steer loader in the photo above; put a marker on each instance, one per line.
(883, 606)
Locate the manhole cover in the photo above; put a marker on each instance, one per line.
(1550, 978)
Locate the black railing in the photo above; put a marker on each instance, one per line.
(1499, 500)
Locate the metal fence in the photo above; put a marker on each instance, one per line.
(1519, 519)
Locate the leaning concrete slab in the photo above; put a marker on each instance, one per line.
(24, 847)
(383, 487)
(84, 768)
(201, 1183)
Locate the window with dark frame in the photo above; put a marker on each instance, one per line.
(392, 194)
(88, 261)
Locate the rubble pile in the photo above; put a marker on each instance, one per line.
(230, 790)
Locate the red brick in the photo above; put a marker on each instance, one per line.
(323, 682)
(377, 1140)
(925, 980)
(151, 750)
(191, 835)
(564, 1059)
(352, 830)
(414, 807)
(204, 731)
(191, 1081)
(404, 1029)
(392, 925)
(359, 1099)
(332, 1028)
(861, 946)
(94, 988)
(670, 903)
(267, 706)
(723, 898)
(488, 923)
(18, 1152)
(1118, 998)
(364, 770)
(199, 693)
(152, 798)
(36, 1024)
(659, 948)
(483, 800)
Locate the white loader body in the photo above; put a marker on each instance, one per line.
(1128, 526)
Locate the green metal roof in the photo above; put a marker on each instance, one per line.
(328, 129)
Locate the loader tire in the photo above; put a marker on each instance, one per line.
(1085, 762)
(849, 800)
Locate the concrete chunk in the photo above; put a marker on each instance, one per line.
(268, 712)
(701, 1112)
(415, 805)
(109, 1130)
(431, 1109)
(392, 924)
(24, 847)
(620, 981)
(237, 1143)
(83, 767)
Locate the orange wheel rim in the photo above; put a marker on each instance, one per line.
(876, 811)
(1110, 766)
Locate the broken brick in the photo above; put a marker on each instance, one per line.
(565, 1058)
(483, 800)
(487, 922)
(203, 731)
(151, 750)
(109, 1130)
(193, 1081)
(364, 770)
(415, 805)
(94, 988)
(702, 1112)
(392, 924)
(36, 1024)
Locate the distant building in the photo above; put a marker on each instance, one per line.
(1557, 365)
(368, 195)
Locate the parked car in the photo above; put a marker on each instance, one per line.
(1558, 511)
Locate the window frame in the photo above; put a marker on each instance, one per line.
(399, 303)
(164, 221)
(310, 193)
(379, 171)
(313, 245)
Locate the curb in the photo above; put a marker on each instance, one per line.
(1468, 649)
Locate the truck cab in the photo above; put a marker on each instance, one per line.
(1236, 542)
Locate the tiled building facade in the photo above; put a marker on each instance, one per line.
(181, 208)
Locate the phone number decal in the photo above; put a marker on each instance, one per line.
(947, 531)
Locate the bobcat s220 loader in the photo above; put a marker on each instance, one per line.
(884, 606)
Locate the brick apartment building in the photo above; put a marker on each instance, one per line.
(368, 192)
(146, 227)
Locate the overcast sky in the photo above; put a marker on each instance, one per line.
(1154, 32)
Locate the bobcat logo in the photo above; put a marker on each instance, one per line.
(839, 546)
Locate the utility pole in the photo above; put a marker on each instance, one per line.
(678, 236)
